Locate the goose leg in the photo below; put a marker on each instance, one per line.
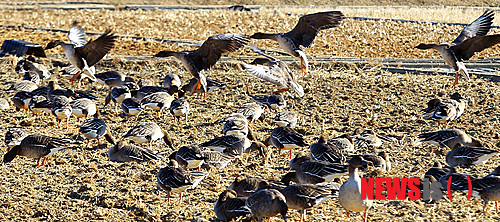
(196, 87)
(168, 197)
(98, 143)
(348, 214)
(366, 216)
(303, 66)
(180, 198)
(290, 154)
(43, 161)
(456, 79)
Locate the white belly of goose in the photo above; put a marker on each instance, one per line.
(62, 113)
(180, 111)
(194, 164)
(134, 111)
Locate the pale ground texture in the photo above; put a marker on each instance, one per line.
(82, 184)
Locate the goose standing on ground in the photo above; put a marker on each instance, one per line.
(472, 39)
(112, 78)
(449, 109)
(40, 105)
(26, 66)
(24, 85)
(82, 55)
(176, 179)
(286, 138)
(190, 87)
(380, 161)
(229, 206)
(21, 100)
(235, 124)
(207, 55)
(252, 111)
(61, 109)
(326, 152)
(172, 82)
(488, 188)
(121, 152)
(189, 157)
(180, 107)
(304, 196)
(350, 191)
(117, 95)
(343, 142)
(14, 136)
(449, 138)
(303, 34)
(148, 132)
(83, 108)
(315, 171)
(286, 118)
(274, 71)
(158, 101)
(276, 102)
(461, 155)
(267, 203)
(36, 146)
(366, 139)
(298, 160)
(216, 160)
(131, 107)
(93, 128)
(437, 170)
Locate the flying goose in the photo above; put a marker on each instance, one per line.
(274, 71)
(84, 55)
(472, 39)
(207, 55)
(303, 34)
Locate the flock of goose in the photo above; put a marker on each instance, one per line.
(315, 176)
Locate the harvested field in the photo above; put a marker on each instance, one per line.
(82, 184)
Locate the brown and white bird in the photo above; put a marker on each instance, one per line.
(350, 191)
(207, 55)
(448, 138)
(176, 179)
(274, 71)
(472, 39)
(84, 55)
(303, 34)
(36, 146)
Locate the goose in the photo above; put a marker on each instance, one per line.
(229, 206)
(461, 155)
(449, 138)
(112, 78)
(286, 138)
(343, 142)
(158, 101)
(368, 138)
(14, 136)
(117, 95)
(314, 172)
(252, 111)
(84, 55)
(145, 82)
(148, 132)
(304, 196)
(22, 100)
(172, 82)
(244, 186)
(449, 109)
(121, 152)
(189, 157)
(93, 128)
(4, 104)
(131, 107)
(216, 159)
(380, 161)
(276, 102)
(40, 104)
(437, 170)
(459, 182)
(267, 203)
(303, 34)
(488, 188)
(36, 146)
(189, 88)
(350, 191)
(298, 160)
(29, 67)
(286, 118)
(180, 107)
(24, 85)
(235, 124)
(274, 71)
(326, 152)
(83, 108)
(207, 55)
(173, 178)
(472, 39)
(148, 90)
(61, 109)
